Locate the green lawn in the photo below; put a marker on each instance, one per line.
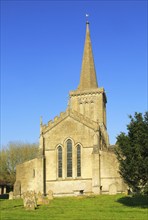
(102, 207)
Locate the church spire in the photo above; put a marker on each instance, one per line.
(88, 79)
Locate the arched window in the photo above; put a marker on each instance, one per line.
(69, 158)
(78, 160)
(59, 161)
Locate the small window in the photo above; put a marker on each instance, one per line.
(33, 173)
(59, 161)
(78, 161)
(69, 158)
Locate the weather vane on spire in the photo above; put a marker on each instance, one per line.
(87, 15)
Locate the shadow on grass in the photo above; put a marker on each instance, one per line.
(134, 201)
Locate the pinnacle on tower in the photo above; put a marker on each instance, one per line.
(88, 79)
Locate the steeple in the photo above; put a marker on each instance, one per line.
(88, 99)
(88, 79)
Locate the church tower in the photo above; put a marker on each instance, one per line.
(89, 99)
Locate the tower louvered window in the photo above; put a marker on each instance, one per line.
(69, 158)
(59, 161)
(78, 161)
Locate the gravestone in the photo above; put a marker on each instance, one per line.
(41, 199)
(30, 205)
(45, 201)
(10, 195)
(113, 189)
(30, 200)
(50, 195)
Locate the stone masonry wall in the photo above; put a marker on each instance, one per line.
(109, 172)
(30, 175)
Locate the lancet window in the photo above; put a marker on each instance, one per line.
(69, 158)
(78, 161)
(60, 161)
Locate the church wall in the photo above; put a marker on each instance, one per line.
(51, 165)
(95, 172)
(58, 136)
(87, 163)
(30, 175)
(67, 129)
(70, 187)
(109, 173)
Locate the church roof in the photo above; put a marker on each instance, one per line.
(88, 79)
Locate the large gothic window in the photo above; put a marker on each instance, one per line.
(59, 161)
(78, 161)
(69, 158)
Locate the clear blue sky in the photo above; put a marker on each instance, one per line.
(41, 52)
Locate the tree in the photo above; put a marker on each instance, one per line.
(11, 155)
(132, 153)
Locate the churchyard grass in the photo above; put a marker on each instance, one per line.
(103, 207)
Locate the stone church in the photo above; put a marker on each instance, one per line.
(75, 156)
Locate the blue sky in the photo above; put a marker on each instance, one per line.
(41, 53)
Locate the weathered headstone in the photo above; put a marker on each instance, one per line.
(30, 200)
(113, 189)
(45, 200)
(50, 195)
(11, 195)
(30, 205)
(39, 198)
